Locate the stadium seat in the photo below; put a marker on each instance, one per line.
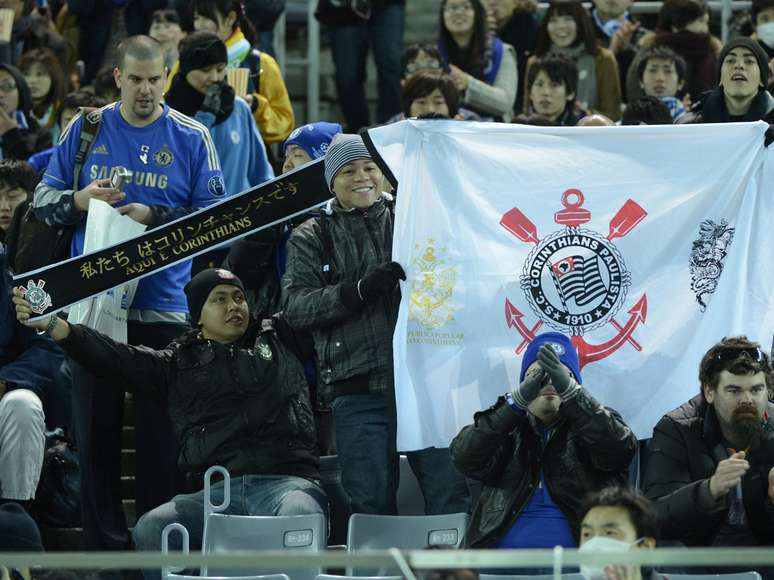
(573, 576)
(372, 532)
(167, 572)
(729, 576)
(224, 533)
(338, 500)
(334, 577)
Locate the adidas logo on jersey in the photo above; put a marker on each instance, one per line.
(101, 150)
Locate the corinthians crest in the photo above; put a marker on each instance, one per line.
(432, 289)
(575, 279)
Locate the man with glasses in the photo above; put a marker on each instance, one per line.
(710, 467)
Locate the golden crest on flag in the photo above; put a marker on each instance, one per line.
(432, 290)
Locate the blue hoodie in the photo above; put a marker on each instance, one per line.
(239, 145)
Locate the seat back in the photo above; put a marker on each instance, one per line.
(167, 571)
(225, 533)
(372, 532)
(573, 576)
(264, 577)
(334, 577)
(730, 576)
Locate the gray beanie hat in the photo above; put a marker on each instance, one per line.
(344, 149)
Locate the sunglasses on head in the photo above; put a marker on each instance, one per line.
(729, 354)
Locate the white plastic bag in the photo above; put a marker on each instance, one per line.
(107, 312)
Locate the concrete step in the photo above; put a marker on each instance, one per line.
(128, 486)
(128, 462)
(128, 437)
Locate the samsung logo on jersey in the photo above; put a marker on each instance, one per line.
(141, 178)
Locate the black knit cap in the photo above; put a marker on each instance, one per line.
(200, 286)
(752, 46)
(201, 49)
(18, 531)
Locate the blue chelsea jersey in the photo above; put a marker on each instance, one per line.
(173, 163)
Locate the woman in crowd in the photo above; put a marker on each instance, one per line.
(165, 27)
(482, 67)
(683, 26)
(44, 76)
(266, 92)
(551, 87)
(200, 91)
(20, 134)
(567, 31)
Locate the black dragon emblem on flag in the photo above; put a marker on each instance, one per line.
(707, 256)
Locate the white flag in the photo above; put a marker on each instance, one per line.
(647, 245)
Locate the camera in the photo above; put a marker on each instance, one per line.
(119, 177)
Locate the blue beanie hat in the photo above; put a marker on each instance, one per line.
(314, 138)
(345, 148)
(562, 346)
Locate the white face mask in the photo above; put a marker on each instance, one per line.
(766, 33)
(602, 544)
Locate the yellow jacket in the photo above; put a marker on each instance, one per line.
(274, 114)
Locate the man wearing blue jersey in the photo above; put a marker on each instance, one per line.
(175, 170)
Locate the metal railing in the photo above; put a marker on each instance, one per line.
(417, 559)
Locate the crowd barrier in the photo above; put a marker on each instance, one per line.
(409, 562)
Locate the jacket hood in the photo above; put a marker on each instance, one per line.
(25, 97)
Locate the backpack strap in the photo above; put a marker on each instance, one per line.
(92, 120)
(254, 60)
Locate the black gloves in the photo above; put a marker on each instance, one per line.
(218, 100)
(551, 370)
(379, 282)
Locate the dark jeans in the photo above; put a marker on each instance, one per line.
(365, 440)
(349, 44)
(98, 408)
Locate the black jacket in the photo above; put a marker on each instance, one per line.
(590, 448)
(711, 108)
(685, 450)
(244, 406)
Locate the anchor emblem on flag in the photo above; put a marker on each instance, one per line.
(575, 279)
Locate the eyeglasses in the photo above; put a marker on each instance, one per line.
(754, 353)
(454, 8)
(422, 65)
(7, 87)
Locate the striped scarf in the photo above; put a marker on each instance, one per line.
(238, 48)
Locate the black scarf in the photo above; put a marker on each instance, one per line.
(186, 99)
(714, 108)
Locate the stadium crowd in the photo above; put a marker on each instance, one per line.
(265, 356)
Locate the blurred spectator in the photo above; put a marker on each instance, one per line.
(105, 85)
(307, 143)
(70, 106)
(710, 464)
(429, 92)
(264, 15)
(236, 396)
(646, 111)
(595, 120)
(341, 286)
(417, 58)
(482, 67)
(17, 182)
(618, 31)
(20, 134)
(200, 91)
(683, 26)
(43, 74)
(31, 29)
(165, 27)
(741, 94)
(567, 31)
(175, 171)
(533, 119)
(618, 519)
(104, 24)
(539, 450)
(551, 87)
(28, 364)
(266, 92)
(351, 31)
(18, 533)
(762, 13)
(516, 25)
(661, 72)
